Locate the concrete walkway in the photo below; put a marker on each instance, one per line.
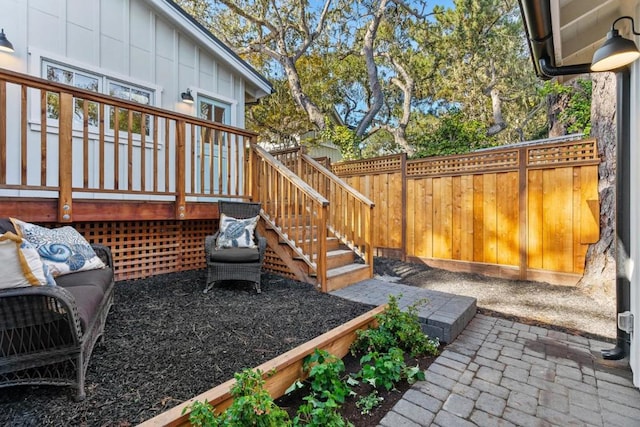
(503, 373)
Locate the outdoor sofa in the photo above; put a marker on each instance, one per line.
(48, 332)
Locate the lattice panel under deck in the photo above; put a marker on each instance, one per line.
(274, 264)
(147, 248)
(368, 166)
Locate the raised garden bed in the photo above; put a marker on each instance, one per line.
(167, 342)
(279, 373)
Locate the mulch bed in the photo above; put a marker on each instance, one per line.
(166, 342)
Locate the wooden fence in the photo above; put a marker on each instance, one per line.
(528, 212)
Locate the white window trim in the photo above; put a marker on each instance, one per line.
(233, 103)
(36, 58)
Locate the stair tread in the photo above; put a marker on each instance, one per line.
(345, 269)
(338, 252)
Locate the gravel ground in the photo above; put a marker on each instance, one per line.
(563, 307)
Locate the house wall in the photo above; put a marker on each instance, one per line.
(131, 41)
(634, 358)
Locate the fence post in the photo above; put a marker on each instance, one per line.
(522, 214)
(403, 177)
(65, 161)
(180, 204)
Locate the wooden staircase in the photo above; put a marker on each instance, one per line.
(315, 223)
(343, 266)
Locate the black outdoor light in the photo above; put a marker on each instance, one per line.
(5, 44)
(187, 98)
(616, 52)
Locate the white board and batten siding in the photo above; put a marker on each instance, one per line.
(138, 44)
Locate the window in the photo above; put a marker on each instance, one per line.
(60, 74)
(130, 93)
(101, 84)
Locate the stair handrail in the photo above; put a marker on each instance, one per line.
(362, 242)
(284, 203)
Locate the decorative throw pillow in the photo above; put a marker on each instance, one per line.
(21, 264)
(236, 233)
(63, 250)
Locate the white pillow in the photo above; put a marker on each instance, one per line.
(63, 250)
(21, 264)
(236, 233)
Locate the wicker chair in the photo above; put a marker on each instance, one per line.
(241, 264)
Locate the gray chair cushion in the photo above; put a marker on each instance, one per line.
(100, 277)
(88, 299)
(235, 255)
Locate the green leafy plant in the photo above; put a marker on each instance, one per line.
(368, 402)
(252, 406)
(396, 328)
(202, 415)
(382, 370)
(387, 369)
(328, 391)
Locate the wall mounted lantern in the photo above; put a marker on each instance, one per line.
(616, 51)
(187, 98)
(5, 44)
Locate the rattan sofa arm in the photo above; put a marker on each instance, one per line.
(104, 253)
(27, 306)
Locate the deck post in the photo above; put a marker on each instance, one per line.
(181, 212)
(65, 161)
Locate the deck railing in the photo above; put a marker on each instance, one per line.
(57, 141)
(296, 211)
(350, 213)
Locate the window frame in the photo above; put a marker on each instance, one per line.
(37, 62)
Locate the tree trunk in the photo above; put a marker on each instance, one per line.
(600, 265)
(316, 116)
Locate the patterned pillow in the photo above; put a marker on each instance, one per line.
(21, 263)
(236, 233)
(63, 250)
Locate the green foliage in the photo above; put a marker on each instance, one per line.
(577, 113)
(202, 415)
(252, 406)
(382, 369)
(328, 391)
(368, 402)
(453, 133)
(413, 374)
(343, 137)
(396, 328)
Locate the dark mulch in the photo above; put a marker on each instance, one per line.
(166, 342)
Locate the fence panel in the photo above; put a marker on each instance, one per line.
(528, 212)
(380, 180)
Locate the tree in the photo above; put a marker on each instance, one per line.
(600, 263)
(485, 66)
(366, 46)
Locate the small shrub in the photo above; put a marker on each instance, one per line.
(328, 391)
(202, 415)
(382, 370)
(368, 402)
(396, 328)
(252, 406)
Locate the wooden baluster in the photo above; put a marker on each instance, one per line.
(65, 158)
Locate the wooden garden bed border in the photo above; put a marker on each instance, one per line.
(279, 372)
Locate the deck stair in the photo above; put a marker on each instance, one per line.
(314, 222)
